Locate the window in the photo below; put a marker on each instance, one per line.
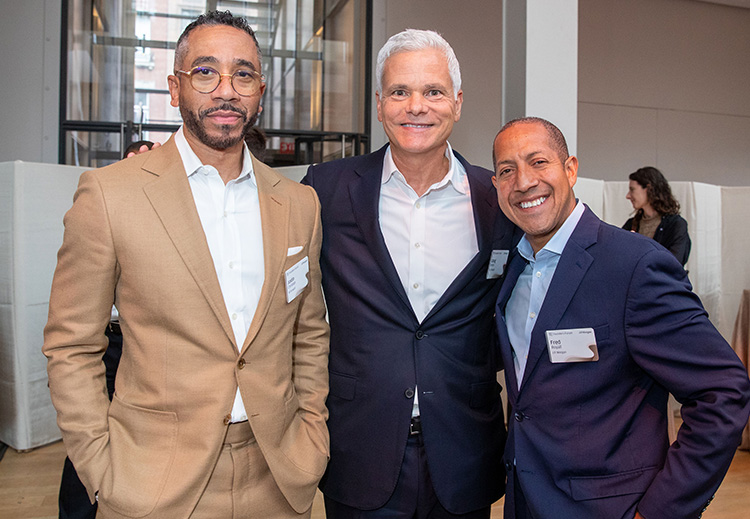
(119, 53)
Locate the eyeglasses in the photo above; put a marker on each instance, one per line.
(246, 82)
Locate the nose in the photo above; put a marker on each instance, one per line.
(225, 90)
(526, 178)
(416, 104)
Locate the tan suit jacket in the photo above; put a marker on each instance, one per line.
(133, 236)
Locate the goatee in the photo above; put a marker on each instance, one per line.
(196, 125)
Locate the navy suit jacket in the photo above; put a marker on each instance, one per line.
(589, 439)
(380, 352)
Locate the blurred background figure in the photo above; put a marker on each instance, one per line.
(73, 500)
(255, 139)
(657, 213)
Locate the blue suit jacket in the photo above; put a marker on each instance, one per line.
(380, 352)
(589, 439)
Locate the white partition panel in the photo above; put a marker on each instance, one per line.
(735, 250)
(33, 200)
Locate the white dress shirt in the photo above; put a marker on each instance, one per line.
(528, 295)
(230, 216)
(430, 238)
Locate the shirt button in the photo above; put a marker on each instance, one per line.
(416, 245)
(409, 393)
(418, 205)
(228, 419)
(241, 363)
(231, 264)
(225, 214)
(532, 315)
(415, 285)
(538, 274)
(234, 317)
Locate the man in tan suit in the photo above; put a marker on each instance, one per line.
(211, 259)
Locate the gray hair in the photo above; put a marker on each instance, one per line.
(415, 39)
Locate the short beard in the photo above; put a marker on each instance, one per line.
(197, 127)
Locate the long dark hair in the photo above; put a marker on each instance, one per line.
(658, 193)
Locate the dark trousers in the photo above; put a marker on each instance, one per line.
(73, 500)
(413, 498)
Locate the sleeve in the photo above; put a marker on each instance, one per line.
(307, 180)
(677, 240)
(74, 341)
(670, 337)
(311, 344)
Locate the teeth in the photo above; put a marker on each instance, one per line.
(533, 203)
(416, 125)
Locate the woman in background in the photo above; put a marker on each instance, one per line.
(657, 213)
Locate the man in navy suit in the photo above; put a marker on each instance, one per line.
(414, 247)
(597, 326)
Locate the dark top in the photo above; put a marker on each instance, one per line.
(672, 234)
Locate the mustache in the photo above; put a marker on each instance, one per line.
(226, 107)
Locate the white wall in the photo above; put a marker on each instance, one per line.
(30, 43)
(664, 83)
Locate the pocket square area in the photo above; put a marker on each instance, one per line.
(293, 250)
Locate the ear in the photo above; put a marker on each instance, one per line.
(459, 103)
(174, 90)
(494, 181)
(377, 105)
(571, 170)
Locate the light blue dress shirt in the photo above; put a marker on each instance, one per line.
(528, 295)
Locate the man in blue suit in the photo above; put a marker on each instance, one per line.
(414, 247)
(597, 326)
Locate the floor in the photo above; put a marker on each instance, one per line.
(29, 483)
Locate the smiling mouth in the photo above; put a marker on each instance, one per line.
(533, 203)
(414, 125)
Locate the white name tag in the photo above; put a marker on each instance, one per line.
(497, 263)
(577, 345)
(296, 279)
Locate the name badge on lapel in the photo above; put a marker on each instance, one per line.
(497, 264)
(575, 345)
(296, 279)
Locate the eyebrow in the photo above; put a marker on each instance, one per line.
(211, 59)
(526, 158)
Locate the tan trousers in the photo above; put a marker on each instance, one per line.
(241, 485)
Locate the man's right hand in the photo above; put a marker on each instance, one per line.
(143, 149)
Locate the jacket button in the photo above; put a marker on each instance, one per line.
(508, 466)
(227, 419)
(519, 417)
(241, 363)
(409, 393)
(420, 335)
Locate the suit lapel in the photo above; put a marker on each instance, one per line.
(516, 264)
(172, 199)
(485, 208)
(365, 195)
(274, 216)
(574, 263)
